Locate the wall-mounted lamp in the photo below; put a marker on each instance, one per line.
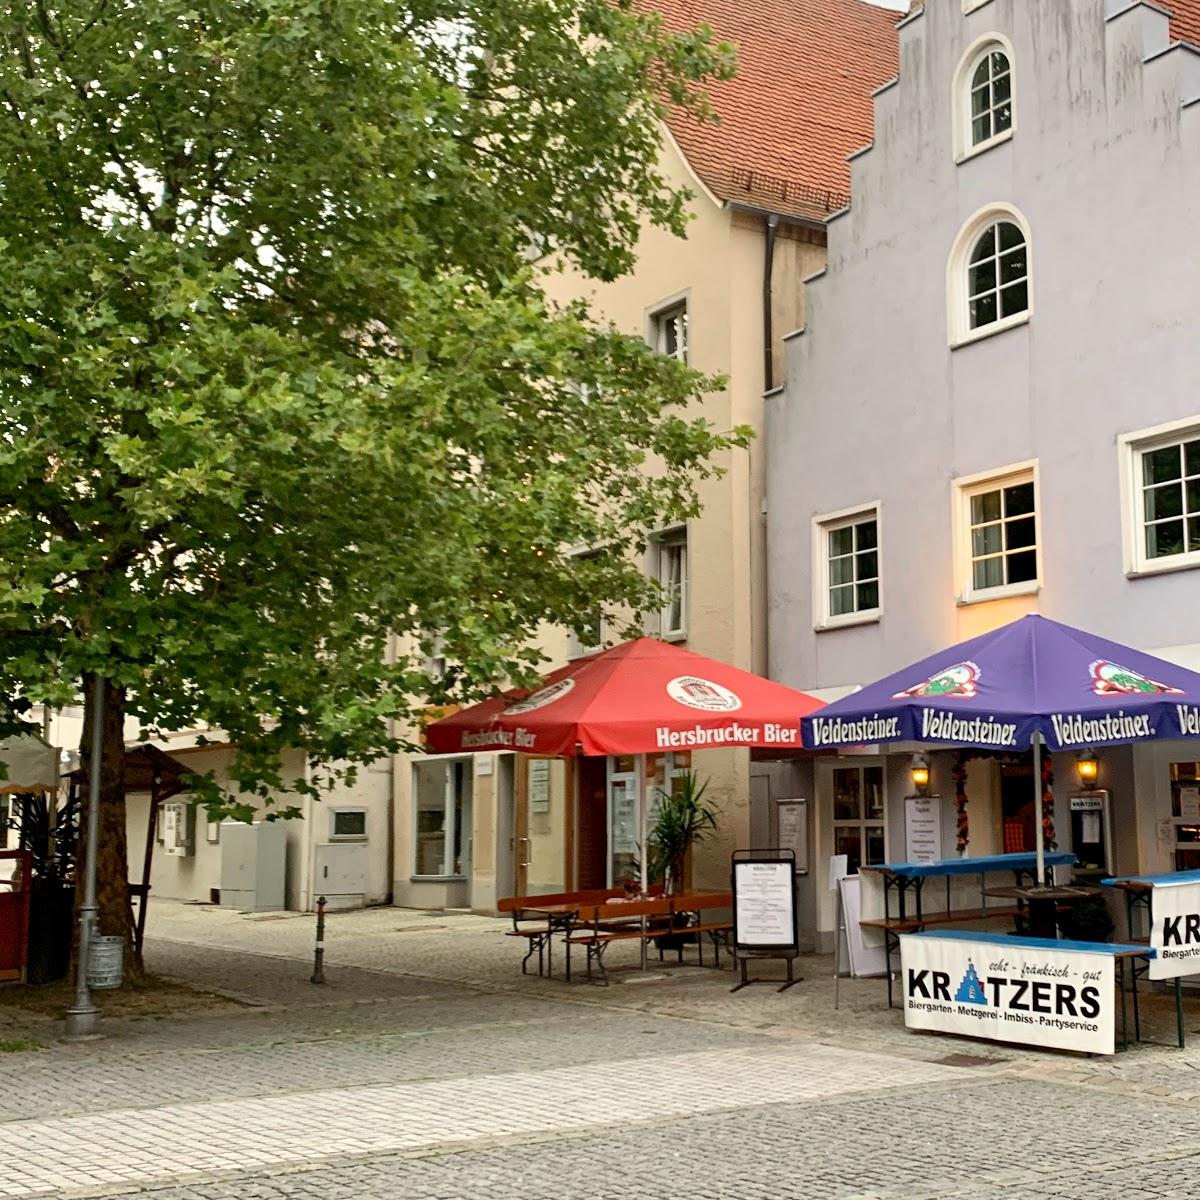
(1088, 767)
(920, 773)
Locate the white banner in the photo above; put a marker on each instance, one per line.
(1176, 932)
(1063, 999)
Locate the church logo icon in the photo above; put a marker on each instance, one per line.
(970, 991)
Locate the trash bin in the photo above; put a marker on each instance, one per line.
(106, 962)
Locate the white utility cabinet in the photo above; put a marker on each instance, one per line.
(253, 865)
(342, 874)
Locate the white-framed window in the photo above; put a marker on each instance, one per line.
(669, 559)
(671, 331)
(1160, 479)
(348, 825)
(588, 637)
(212, 832)
(442, 818)
(434, 658)
(846, 570)
(998, 529)
(983, 103)
(989, 275)
(859, 815)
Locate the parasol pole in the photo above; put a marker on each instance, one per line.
(1037, 810)
(644, 822)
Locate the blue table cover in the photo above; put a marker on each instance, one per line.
(1025, 943)
(1175, 878)
(975, 866)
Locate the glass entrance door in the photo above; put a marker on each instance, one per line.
(634, 780)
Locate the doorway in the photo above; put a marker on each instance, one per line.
(542, 825)
(1017, 815)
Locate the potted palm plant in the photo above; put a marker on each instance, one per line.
(683, 820)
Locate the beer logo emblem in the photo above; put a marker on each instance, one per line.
(959, 682)
(1111, 679)
(547, 695)
(694, 692)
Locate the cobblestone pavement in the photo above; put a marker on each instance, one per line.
(428, 1067)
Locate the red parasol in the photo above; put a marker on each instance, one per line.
(642, 697)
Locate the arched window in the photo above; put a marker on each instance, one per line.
(983, 96)
(988, 274)
(997, 276)
(991, 96)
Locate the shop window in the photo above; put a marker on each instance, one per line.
(626, 793)
(847, 568)
(859, 828)
(442, 792)
(671, 570)
(671, 332)
(998, 523)
(1162, 482)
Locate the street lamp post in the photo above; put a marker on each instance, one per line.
(83, 1017)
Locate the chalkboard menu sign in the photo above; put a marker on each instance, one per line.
(764, 910)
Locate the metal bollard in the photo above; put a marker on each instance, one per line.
(318, 975)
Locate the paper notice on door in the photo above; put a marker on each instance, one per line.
(1166, 833)
(1189, 804)
(839, 868)
(1089, 828)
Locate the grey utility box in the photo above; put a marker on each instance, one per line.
(253, 865)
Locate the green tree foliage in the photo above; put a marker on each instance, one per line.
(276, 373)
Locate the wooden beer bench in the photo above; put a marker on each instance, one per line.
(553, 913)
(602, 924)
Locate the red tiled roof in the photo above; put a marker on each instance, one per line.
(1185, 20)
(801, 102)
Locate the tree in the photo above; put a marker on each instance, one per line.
(277, 377)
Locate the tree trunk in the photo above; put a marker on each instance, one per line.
(112, 870)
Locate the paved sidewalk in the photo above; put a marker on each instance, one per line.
(428, 1067)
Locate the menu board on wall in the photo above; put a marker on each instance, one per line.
(923, 828)
(539, 785)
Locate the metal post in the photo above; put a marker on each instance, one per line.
(1037, 812)
(83, 1018)
(318, 975)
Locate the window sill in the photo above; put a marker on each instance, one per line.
(437, 879)
(678, 635)
(1146, 570)
(347, 837)
(987, 331)
(1001, 593)
(873, 617)
(983, 147)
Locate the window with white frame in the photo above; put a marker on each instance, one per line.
(1164, 472)
(983, 87)
(997, 276)
(671, 570)
(671, 331)
(1000, 526)
(990, 96)
(588, 636)
(847, 567)
(348, 825)
(859, 816)
(989, 276)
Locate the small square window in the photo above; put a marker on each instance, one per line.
(349, 823)
(1166, 502)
